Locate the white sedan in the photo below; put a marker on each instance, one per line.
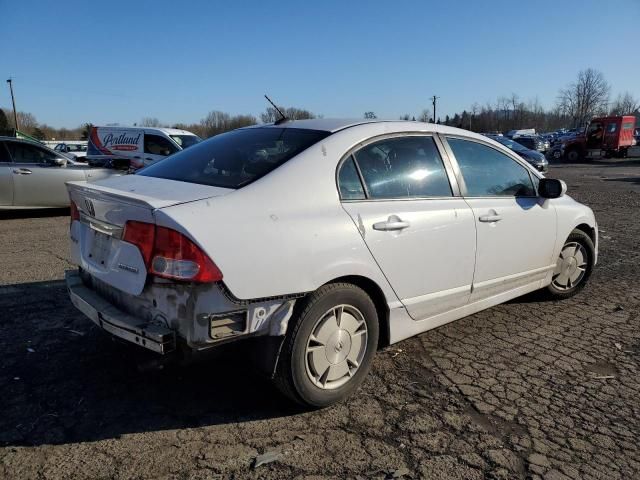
(321, 240)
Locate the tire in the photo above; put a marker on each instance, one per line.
(572, 155)
(321, 363)
(568, 277)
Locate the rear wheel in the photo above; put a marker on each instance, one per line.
(573, 267)
(329, 347)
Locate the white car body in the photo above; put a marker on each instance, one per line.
(74, 149)
(142, 146)
(288, 233)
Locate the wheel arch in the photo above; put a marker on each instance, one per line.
(376, 294)
(589, 230)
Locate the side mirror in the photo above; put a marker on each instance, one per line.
(551, 188)
(58, 162)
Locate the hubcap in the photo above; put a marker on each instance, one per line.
(336, 347)
(570, 267)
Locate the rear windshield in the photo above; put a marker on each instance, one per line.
(237, 158)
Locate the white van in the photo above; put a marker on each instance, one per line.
(142, 146)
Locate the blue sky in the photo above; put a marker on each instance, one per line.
(104, 62)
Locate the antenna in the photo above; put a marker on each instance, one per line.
(284, 117)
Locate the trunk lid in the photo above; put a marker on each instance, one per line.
(104, 208)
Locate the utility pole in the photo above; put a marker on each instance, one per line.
(13, 101)
(433, 99)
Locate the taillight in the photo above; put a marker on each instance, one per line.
(141, 234)
(75, 214)
(169, 254)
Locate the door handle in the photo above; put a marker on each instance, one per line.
(490, 218)
(22, 171)
(393, 223)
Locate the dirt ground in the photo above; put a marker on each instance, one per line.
(528, 389)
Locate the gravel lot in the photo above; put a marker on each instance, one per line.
(525, 390)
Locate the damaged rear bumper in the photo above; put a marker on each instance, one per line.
(154, 337)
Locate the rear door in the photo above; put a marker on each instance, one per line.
(6, 177)
(420, 234)
(516, 230)
(157, 147)
(37, 181)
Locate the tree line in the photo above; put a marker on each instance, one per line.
(588, 96)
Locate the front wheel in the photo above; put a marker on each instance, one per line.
(329, 347)
(573, 266)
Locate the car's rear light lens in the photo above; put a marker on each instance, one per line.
(142, 235)
(74, 213)
(169, 254)
(175, 256)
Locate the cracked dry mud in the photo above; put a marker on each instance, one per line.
(529, 389)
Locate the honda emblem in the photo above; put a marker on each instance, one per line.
(89, 204)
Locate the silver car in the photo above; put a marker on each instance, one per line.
(34, 176)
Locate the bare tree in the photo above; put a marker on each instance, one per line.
(425, 115)
(370, 115)
(218, 122)
(270, 115)
(625, 104)
(150, 122)
(586, 97)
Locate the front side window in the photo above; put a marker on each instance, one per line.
(236, 158)
(349, 181)
(611, 128)
(157, 145)
(402, 168)
(4, 153)
(24, 153)
(488, 172)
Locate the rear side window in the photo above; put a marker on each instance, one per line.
(490, 173)
(349, 182)
(157, 145)
(236, 158)
(403, 167)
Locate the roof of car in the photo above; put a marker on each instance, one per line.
(335, 124)
(168, 131)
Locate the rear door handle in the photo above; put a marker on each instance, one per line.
(490, 218)
(22, 171)
(393, 223)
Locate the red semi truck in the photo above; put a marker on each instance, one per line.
(604, 137)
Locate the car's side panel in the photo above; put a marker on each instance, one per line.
(517, 246)
(430, 263)
(43, 186)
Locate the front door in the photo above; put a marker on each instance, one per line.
(516, 230)
(421, 236)
(37, 181)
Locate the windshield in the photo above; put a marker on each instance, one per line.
(236, 158)
(185, 141)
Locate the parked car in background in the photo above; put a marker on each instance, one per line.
(76, 149)
(532, 142)
(139, 146)
(522, 131)
(636, 135)
(321, 240)
(604, 137)
(534, 157)
(34, 176)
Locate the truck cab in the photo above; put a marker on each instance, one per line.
(604, 137)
